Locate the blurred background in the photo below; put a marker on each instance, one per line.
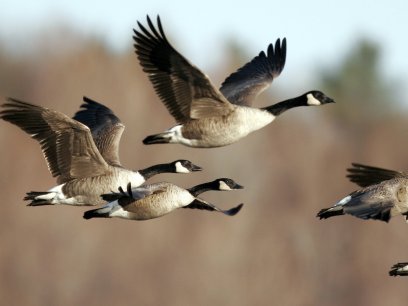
(275, 251)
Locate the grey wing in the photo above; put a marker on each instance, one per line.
(242, 86)
(67, 145)
(369, 204)
(129, 196)
(183, 88)
(364, 175)
(132, 203)
(106, 128)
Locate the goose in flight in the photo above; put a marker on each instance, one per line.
(84, 159)
(384, 194)
(208, 117)
(155, 200)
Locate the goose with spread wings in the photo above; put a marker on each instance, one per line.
(83, 156)
(384, 194)
(156, 200)
(208, 117)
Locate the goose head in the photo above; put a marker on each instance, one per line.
(225, 184)
(316, 97)
(184, 166)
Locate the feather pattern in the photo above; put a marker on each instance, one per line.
(364, 175)
(67, 144)
(106, 128)
(242, 86)
(184, 89)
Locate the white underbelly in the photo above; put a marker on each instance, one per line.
(217, 132)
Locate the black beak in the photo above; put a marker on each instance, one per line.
(237, 186)
(196, 168)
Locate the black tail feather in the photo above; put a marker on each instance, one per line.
(395, 269)
(330, 212)
(95, 213)
(31, 196)
(153, 139)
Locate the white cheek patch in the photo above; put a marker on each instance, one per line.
(181, 169)
(224, 186)
(176, 130)
(311, 100)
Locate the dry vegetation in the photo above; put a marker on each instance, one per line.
(274, 252)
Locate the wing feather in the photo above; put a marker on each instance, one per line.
(106, 128)
(364, 175)
(67, 144)
(242, 86)
(176, 81)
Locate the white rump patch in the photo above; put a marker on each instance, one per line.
(223, 186)
(115, 210)
(176, 136)
(55, 194)
(403, 269)
(57, 189)
(343, 201)
(181, 169)
(311, 100)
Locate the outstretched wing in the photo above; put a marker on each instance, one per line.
(201, 204)
(242, 86)
(364, 175)
(67, 144)
(106, 128)
(183, 88)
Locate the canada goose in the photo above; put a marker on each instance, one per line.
(209, 117)
(155, 200)
(399, 269)
(72, 156)
(384, 195)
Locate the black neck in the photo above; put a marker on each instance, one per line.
(156, 169)
(196, 190)
(280, 107)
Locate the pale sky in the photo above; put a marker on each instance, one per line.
(319, 32)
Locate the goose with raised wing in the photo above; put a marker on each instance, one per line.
(85, 160)
(155, 200)
(208, 117)
(384, 194)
